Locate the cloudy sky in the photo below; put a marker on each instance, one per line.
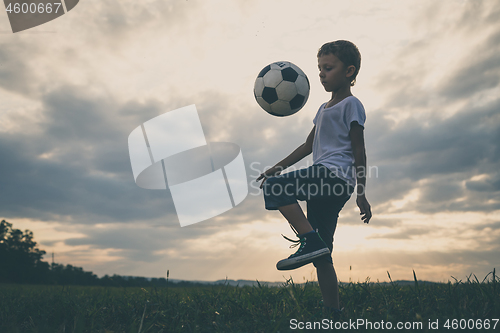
(73, 89)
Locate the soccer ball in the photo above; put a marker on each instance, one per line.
(281, 88)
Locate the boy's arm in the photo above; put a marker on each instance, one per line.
(358, 149)
(302, 151)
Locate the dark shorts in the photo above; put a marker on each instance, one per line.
(324, 192)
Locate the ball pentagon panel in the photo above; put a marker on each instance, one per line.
(289, 74)
(269, 95)
(298, 102)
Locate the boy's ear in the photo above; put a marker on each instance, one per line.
(350, 70)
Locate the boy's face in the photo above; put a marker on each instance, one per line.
(333, 73)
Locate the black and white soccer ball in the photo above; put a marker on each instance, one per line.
(281, 88)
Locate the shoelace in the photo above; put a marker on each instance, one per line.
(295, 242)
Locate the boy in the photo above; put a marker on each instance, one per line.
(339, 165)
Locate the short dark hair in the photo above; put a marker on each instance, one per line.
(346, 51)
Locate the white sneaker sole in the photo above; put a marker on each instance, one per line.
(296, 262)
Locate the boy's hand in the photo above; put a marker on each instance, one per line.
(274, 171)
(364, 208)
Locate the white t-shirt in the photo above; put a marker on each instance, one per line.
(332, 144)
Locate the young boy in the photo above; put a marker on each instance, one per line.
(339, 165)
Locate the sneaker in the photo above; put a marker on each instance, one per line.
(311, 248)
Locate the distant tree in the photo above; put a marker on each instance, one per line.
(69, 274)
(20, 260)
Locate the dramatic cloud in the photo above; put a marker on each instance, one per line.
(17, 74)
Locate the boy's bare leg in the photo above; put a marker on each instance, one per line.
(328, 284)
(295, 216)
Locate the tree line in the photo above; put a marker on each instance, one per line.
(21, 262)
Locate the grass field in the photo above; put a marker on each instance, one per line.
(467, 304)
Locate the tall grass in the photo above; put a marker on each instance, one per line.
(223, 308)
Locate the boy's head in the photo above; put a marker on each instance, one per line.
(346, 51)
